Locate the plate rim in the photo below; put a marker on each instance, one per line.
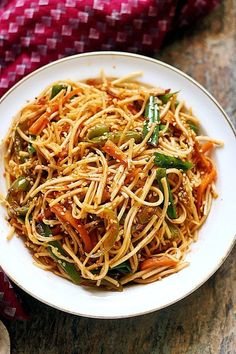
(189, 78)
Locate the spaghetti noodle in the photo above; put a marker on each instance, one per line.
(108, 180)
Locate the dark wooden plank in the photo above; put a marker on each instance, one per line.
(207, 53)
(205, 321)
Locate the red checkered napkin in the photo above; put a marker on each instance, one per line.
(34, 33)
(10, 305)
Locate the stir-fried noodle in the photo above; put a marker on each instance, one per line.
(109, 180)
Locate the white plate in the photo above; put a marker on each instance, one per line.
(216, 237)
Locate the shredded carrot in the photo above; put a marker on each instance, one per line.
(106, 196)
(130, 176)
(113, 150)
(56, 230)
(200, 158)
(169, 117)
(41, 123)
(208, 178)
(65, 128)
(206, 147)
(157, 262)
(66, 216)
(45, 214)
(132, 108)
(63, 153)
(94, 237)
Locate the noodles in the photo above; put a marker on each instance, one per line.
(109, 181)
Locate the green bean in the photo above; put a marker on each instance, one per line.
(171, 210)
(166, 161)
(97, 131)
(152, 115)
(69, 268)
(115, 137)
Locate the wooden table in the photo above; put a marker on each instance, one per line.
(202, 323)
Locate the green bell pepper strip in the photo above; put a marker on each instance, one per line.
(193, 126)
(146, 213)
(69, 268)
(21, 211)
(113, 226)
(171, 210)
(174, 231)
(20, 184)
(152, 115)
(166, 161)
(165, 98)
(18, 146)
(123, 268)
(162, 126)
(56, 89)
(115, 137)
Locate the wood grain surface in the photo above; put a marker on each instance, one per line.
(205, 321)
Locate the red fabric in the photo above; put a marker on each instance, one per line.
(36, 32)
(10, 305)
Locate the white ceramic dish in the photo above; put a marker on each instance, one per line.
(216, 237)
